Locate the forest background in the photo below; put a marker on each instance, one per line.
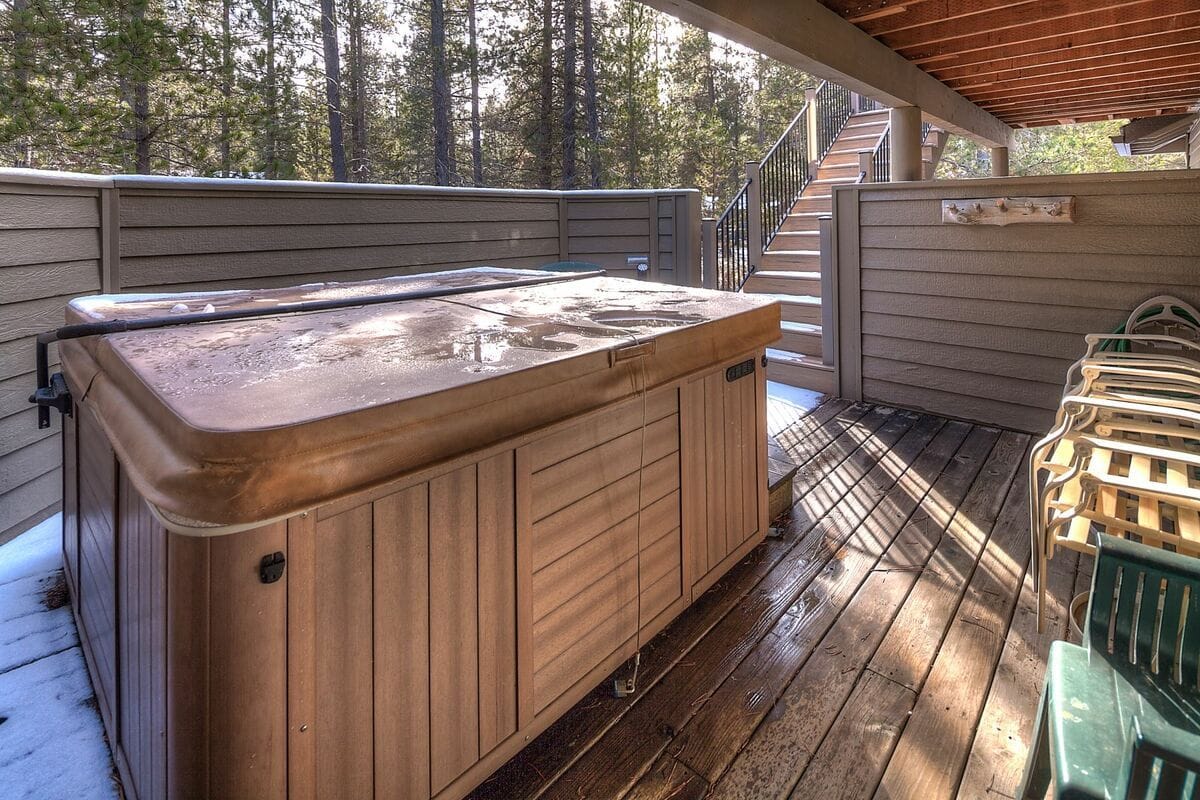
(505, 93)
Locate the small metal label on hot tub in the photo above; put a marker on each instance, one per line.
(740, 370)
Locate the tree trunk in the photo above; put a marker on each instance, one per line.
(333, 90)
(360, 166)
(589, 95)
(570, 101)
(138, 88)
(441, 94)
(226, 86)
(476, 130)
(546, 106)
(270, 144)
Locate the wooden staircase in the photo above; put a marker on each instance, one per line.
(790, 268)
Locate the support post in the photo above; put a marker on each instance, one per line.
(828, 292)
(810, 130)
(999, 162)
(865, 167)
(906, 143)
(753, 216)
(708, 250)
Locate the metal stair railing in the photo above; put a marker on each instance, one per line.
(736, 240)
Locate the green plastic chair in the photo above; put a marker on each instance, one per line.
(1120, 715)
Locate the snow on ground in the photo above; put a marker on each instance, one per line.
(786, 404)
(51, 739)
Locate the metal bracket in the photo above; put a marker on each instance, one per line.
(56, 395)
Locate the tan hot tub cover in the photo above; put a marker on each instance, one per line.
(234, 423)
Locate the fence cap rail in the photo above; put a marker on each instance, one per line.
(47, 177)
(175, 182)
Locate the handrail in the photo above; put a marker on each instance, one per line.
(783, 173)
(732, 243)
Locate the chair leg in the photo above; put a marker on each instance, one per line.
(1037, 777)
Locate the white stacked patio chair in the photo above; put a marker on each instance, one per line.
(1123, 456)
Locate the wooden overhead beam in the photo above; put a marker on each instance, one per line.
(1060, 46)
(1189, 89)
(1129, 51)
(1016, 23)
(1043, 122)
(1005, 94)
(932, 13)
(1180, 60)
(809, 36)
(1081, 22)
(1128, 109)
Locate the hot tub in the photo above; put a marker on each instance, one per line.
(374, 551)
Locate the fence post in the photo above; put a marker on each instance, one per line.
(865, 167)
(754, 238)
(810, 97)
(828, 293)
(708, 250)
(110, 241)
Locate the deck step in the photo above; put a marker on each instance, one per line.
(822, 204)
(797, 308)
(796, 240)
(803, 221)
(797, 369)
(846, 173)
(846, 158)
(801, 337)
(789, 282)
(791, 260)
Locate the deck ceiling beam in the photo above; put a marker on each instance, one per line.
(1024, 23)
(1103, 22)
(1000, 97)
(1034, 62)
(1063, 47)
(1124, 53)
(1180, 61)
(1115, 105)
(807, 35)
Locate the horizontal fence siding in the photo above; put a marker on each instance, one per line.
(62, 236)
(173, 239)
(50, 251)
(982, 322)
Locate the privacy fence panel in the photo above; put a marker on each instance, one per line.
(981, 322)
(65, 235)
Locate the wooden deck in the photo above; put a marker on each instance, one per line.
(884, 645)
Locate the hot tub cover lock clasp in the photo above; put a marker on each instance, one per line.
(270, 569)
(55, 395)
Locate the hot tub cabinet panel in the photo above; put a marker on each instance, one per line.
(422, 630)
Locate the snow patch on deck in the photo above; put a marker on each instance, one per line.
(786, 404)
(51, 739)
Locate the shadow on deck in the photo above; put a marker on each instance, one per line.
(884, 645)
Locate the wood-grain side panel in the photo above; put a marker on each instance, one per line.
(344, 654)
(453, 622)
(142, 606)
(402, 721)
(247, 661)
(497, 601)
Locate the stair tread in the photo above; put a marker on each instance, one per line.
(803, 328)
(797, 359)
(793, 299)
(794, 252)
(788, 274)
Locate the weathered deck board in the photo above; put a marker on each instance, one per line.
(885, 644)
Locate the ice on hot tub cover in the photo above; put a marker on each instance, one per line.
(240, 421)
